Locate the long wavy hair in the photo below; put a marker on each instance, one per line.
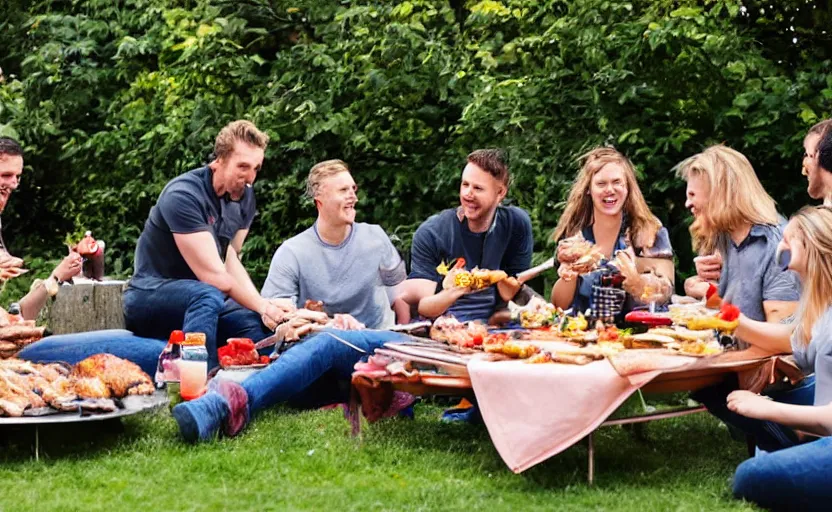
(814, 228)
(580, 212)
(736, 198)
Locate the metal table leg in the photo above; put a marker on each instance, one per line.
(591, 455)
(37, 444)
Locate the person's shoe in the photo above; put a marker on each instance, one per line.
(225, 406)
(200, 419)
(236, 399)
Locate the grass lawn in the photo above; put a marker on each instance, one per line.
(308, 461)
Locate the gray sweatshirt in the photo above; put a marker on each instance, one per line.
(348, 278)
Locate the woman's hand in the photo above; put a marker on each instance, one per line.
(750, 404)
(69, 267)
(709, 268)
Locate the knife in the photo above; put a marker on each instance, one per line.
(524, 276)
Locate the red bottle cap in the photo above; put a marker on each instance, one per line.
(176, 337)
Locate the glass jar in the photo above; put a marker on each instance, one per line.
(193, 366)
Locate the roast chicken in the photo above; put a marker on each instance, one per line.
(89, 385)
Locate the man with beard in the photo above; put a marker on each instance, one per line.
(483, 232)
(187, 257)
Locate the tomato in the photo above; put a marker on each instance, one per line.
(476, 339)
(729, 312)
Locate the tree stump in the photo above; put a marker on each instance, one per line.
(89, 306)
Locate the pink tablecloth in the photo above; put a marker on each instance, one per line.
(535, 411)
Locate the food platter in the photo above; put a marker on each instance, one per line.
(133, 404)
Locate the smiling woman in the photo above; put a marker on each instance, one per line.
(606, 208)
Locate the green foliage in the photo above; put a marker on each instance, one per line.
(113, 99)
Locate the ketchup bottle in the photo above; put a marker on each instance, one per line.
(93, 252)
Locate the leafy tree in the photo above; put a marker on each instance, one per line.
(113, 99)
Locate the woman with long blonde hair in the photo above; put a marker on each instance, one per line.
(606, 207)
(736, 230)
(798, 477)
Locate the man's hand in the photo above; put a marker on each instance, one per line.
(10, 267)
(285, 305)
(709, 268)
(68, 268)
(272, 315)
(750, 404)
(449, 284)
(347, 323)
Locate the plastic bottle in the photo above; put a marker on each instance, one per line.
(167, 371)
(93, 252)
(193, 366)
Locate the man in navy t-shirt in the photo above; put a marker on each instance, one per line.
(486, 234)
(187, 257)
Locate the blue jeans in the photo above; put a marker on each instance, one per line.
(769, 436)
(72, 348)
(191, 306)
(298, 374)
(798, 478)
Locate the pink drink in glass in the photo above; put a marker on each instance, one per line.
(192, 378)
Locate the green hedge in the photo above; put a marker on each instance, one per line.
(114, 98)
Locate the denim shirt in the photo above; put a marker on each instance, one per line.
(583, 293)
(750, 274)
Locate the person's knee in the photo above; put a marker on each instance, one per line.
(208, 296)
(747, 479)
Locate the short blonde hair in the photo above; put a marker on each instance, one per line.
(238, 131)
(737, 197)
(821, 128)
(322, 171)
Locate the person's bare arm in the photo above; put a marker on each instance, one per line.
(508, 288)
(778, 310)
(412, 291)
(435, 305)
(199, 251)
(813, 419)
(235, 267)
(771, 337)
(563, 292)
(33, 302)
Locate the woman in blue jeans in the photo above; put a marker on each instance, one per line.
(799, 477)
(292, 376)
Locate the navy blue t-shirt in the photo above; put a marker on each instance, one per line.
(188, 204)
(507, 245)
